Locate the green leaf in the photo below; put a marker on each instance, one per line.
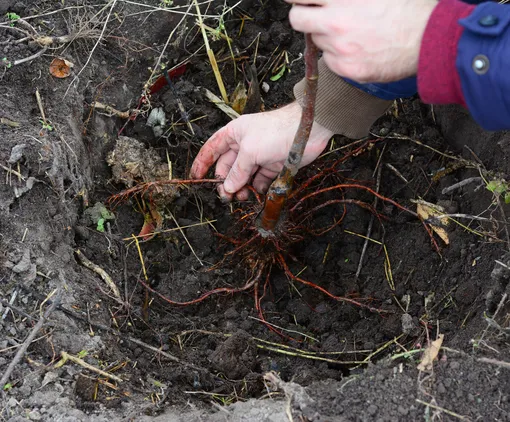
(100, 225)
(507, 197)
(7, 386)
(491, 186)
(497, 186)
(276, 77)
(12, 16)
(107, 215)
(82, 354)
(46, 126)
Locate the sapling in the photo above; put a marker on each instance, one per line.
(280, 189)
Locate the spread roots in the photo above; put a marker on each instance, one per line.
(261, 252)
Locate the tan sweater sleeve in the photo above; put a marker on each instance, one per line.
(341, 107)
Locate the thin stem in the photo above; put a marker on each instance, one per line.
(281, 187)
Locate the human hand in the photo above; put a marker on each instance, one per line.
(255, 145)
(365, 40)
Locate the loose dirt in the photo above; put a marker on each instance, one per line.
(206, 362)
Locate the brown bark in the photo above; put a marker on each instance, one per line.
(280, 189)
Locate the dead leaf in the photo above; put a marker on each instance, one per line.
(238, 98)
(153, 221)
(426, 210)
(60, 68)
(430, 354)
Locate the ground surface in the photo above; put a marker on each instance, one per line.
(344, 362)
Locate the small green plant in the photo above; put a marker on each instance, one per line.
(6, 62)
(46, 125)
(281, 67)
(81, 354)
(105, 215)
(500, 187)
(13, 17)
(166, 3)
(7, 386)
(280, 73)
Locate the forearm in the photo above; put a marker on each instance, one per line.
(464, 59)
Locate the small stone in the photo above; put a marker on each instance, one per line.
(34, 415)
(454, 365)
(441, 388)
(402, 410)
(408, 325)
(16, 153)
(24, 263)
(12, 402)
(82, 233)
(369, 345)
(231, 313)
(372, 409)
(265, 87)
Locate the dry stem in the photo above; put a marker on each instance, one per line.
(29, 339)
(102, 273)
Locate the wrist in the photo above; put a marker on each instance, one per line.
(438, 79)
(423, 14)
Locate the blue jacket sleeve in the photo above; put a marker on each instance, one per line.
(483, 63)
(389, 91)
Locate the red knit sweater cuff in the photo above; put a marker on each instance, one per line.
(438, 78)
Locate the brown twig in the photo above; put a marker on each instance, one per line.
(29, 339)
(281, 187)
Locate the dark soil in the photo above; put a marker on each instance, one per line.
(337, 361)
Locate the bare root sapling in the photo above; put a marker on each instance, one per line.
(280, 189)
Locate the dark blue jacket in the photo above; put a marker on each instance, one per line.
(487, 97)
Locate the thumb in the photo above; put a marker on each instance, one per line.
(240, 173)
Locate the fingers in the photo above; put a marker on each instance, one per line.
(240, 173)
(263, 180)
(225, 196)
(216, 146)
(224, 164)
(308, 19)
(223, 168)
(243, 194)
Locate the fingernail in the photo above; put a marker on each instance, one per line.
(228, 186)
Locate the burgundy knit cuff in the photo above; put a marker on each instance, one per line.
(438, 78)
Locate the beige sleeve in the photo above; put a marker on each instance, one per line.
(342, 108)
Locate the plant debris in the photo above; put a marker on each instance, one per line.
(132, 163)
(60, 68)
(430, 354)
